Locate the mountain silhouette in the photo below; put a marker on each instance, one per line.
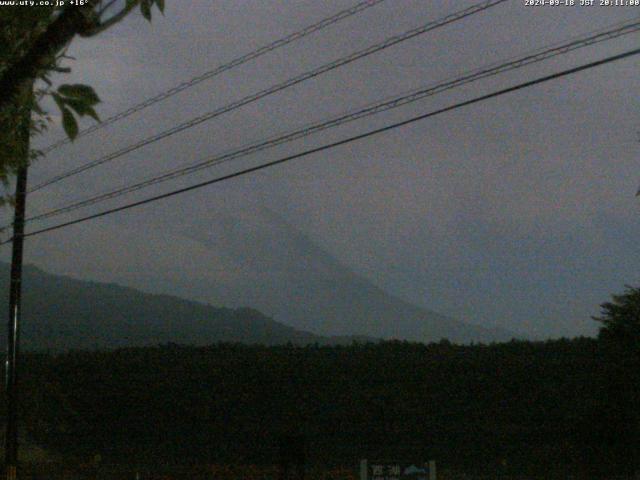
(61, 313)
(246, 257)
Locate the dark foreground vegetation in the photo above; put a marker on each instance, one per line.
(555, 409)
(563, 406)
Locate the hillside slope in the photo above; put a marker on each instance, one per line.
(299, 283)
(61, 313)
(248, 257)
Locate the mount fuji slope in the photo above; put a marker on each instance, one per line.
(250, 258)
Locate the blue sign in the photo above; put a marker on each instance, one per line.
(397, 471)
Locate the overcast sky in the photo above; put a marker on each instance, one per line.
(516, 212)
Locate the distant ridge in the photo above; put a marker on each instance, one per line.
(294, 280)
(237, 255)
(60, 313)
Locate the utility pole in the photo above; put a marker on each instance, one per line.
(15, 290)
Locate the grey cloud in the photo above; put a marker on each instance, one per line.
(517, 212)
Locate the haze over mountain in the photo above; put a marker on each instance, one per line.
(251, 258)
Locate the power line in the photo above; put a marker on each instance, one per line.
(236, 62)
(389, 42)
(485, 72)
(338, 143)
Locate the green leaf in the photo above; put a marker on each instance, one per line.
(82, 108)
(92, 113)
(145, 8)
(160, 4)
(59, 101)
(84, 92)
(69, 123)
(78, 105)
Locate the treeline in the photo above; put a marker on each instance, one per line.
(518, 406)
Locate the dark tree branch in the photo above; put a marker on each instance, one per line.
(73, 20)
